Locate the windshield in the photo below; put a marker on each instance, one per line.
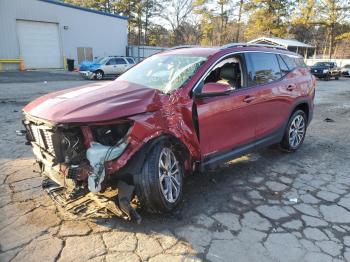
(164, 72)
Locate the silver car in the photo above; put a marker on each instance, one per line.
(108, 66)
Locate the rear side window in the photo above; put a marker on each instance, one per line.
(130, 60)
(300, 62)
(120, 61)
(290, 61)
(284, 68)
(262, 68)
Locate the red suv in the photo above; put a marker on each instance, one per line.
(176, 112)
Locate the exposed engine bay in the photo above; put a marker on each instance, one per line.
(73, 158)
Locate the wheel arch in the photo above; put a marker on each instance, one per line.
(304, 106)
(134, 165)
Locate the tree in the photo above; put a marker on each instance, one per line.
(176, 12)
(332, 13)
(267, 18)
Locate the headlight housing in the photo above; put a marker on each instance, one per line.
(325, 71)
(110, 135)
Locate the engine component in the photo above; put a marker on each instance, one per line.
(97, 155)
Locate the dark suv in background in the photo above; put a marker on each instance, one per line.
(176, 112)
(326, 70)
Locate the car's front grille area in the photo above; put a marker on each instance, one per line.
(42, 135)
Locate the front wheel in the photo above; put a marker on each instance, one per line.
(99, 75)
(159, 185)
(295, 132)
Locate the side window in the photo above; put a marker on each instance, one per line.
(120, 61)
(130, 60)
(284, 68)
(111, 62)
(263, 68)
(300, 62)
(290, 61)
(228, 72)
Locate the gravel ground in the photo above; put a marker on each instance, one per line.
(265, 206)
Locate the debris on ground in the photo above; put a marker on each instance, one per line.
(329, 120)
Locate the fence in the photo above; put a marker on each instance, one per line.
(141, 52)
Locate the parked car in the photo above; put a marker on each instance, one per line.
(106, 66)
(326, 70)
(176, 112)
(345, 70)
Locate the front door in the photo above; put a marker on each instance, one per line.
(227, 122)
(110, 67)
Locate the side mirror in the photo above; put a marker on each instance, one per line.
(214, 89)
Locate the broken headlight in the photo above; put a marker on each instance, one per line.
(110, 135)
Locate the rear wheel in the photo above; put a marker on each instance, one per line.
(159, 185)
(99, 74)
(295, 132)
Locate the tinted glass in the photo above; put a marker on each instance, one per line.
(131, 61)
(111, 62)
(300, 62)
(290, 61)
(264, 68)
(120, 61)
(283, 65)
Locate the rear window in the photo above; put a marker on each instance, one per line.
(262, 68)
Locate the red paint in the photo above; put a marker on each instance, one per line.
(225, 122)
(215, 88)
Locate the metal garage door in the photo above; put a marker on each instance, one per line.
(39, 44)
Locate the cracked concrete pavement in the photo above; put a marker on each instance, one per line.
(265, 206)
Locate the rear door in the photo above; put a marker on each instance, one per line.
(121, 65)
(275, 95)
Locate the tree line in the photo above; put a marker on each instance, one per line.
(324, 24)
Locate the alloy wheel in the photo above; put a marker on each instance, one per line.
(169, 175)
(296, 131)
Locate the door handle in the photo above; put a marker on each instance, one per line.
(291, 87)
(248, 99)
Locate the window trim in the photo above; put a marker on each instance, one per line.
(207, 72)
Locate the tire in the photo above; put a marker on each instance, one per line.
(151, 186)
(294, 130)
(99, 74)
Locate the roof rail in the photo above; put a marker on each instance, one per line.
(252, 45)
(181, 46)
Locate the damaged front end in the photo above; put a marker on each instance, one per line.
(73, 160)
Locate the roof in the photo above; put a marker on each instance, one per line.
(193, 51)
(56, 2)
(209, 51)
(279, 41)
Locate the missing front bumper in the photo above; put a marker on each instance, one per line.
(86, 204)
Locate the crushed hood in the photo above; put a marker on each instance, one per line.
(94, 103)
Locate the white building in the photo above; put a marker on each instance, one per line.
(291, 44)
(45, 32)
